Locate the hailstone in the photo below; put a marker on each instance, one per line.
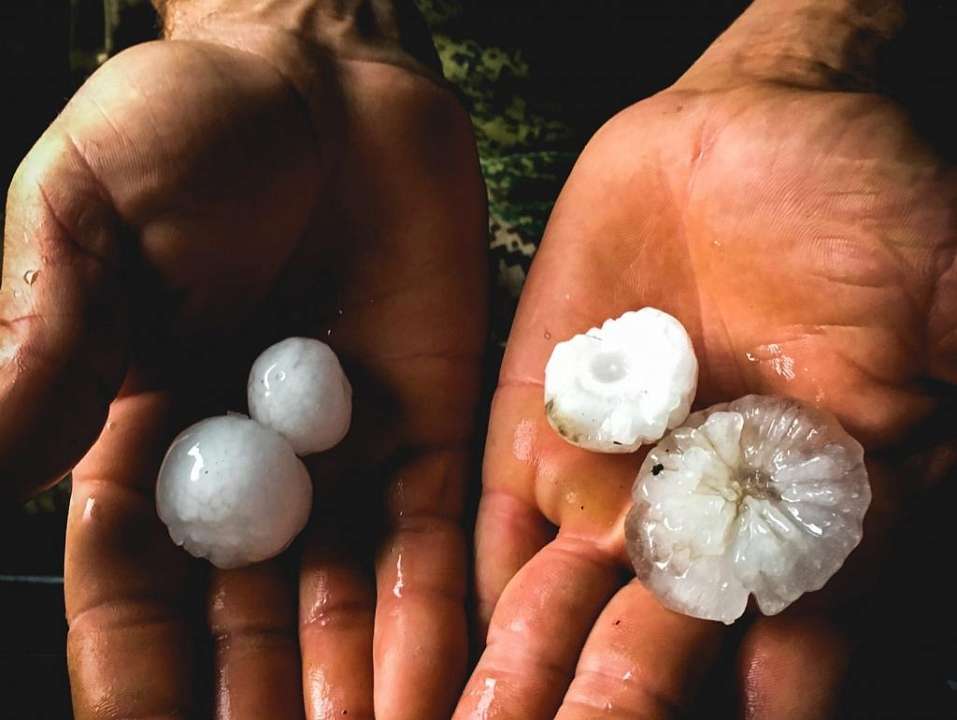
(233, 491)
(621, 385)
(298, 388)
(760, 496)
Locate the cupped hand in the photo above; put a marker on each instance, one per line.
(805, 237)
(196, 201)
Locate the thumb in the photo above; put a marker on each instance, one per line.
(63, 320)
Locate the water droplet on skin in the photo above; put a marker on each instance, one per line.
(523, 441)
(219, 599)
(111, 425)
(16, 293)
(716, 243)
(88, 509)
(518, 626)
(30, 276)
(399, 579)
(751, 357)
(485, 700)
(548, 335)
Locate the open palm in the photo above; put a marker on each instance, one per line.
(805, 237)
(194, 203)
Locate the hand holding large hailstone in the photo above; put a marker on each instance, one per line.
(804, 237)
(759, 496)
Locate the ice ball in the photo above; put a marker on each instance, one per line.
(298, 388)
(233, 491)
(763, 496)
(622, 385)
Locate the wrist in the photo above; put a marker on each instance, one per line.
(832, 44)
(389, 31)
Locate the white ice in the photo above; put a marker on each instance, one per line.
(298, 388)
(760, 496)
(621, 385)
(233, 491)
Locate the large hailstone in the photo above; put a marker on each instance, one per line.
(298, 388)
(233, 491)
(621, 385)
(760, 496)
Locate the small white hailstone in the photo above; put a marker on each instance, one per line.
(233, 491)
(297, 387)
(621, 385)
(762, 495)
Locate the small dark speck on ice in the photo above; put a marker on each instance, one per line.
(657, 469)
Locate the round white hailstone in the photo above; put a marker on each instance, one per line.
(762, 495)
(622, 385)
(233, 491)
(297, 387)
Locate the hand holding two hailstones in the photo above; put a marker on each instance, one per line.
(199, 199)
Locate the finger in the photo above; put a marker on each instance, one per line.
(62, 320)
(252, 616)
(127, 601)
(641, 660)
(532, 483)
(508, 533)
(421, 638)
(509, 529)
(538, 630)
(792, 666)
(336, 611)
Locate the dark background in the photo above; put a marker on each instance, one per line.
(906, 670)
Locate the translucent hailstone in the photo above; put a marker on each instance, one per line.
(760, 496)
(297, 387)
(621, 385)
(233, 491)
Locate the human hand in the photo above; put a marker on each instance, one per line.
(804, 235)
(198, 199)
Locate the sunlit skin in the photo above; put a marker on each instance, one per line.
(193, 204)
(806, 238)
